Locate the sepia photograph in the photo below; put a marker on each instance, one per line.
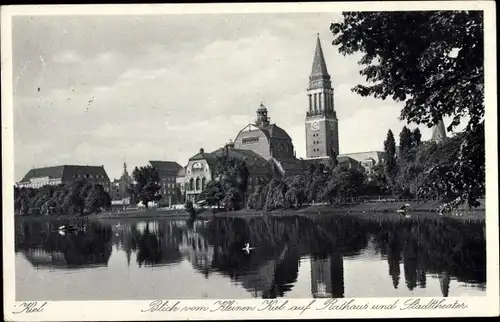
(324, 155)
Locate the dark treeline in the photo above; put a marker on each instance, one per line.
(76, 198)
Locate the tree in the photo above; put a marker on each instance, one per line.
(390, 167)
(147, 185)
(96, 198)
(416, 137)
(405, 142)
(433, 61)
(213, 193)
(345, 183)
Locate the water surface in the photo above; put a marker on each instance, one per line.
(292, 257)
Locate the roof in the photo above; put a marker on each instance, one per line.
(319, 64)
(275, 132)
(211, 160)
(251, 158)
(67, 172)
(377, 156)
(166, 168)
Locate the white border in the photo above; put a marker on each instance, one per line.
(131, 310)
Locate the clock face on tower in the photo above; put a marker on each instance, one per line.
(315, 126)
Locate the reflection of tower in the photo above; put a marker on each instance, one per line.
(327, 276)
(444, 281)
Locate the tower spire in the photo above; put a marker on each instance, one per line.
(319, 77)
(439, 132)
(319, 64)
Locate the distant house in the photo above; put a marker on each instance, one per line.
(119, 187)
(168, 172)
(63, 174)
(367, 159)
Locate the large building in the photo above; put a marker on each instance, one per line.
(202, 168)
(63, 174)
(266, 139)
(267, 148)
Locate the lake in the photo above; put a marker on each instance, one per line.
(291, 257)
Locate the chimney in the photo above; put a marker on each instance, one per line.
(202, 151)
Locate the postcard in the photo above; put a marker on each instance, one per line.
(249, 161)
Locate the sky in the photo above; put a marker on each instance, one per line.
(103, 90)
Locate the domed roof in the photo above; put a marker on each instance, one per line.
(274, 131)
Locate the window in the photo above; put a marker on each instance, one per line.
(191, 184)
(203, 181)
(197, 183)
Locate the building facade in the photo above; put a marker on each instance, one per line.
(321, 123)
(202, 168)
(119, 190)
(168, 172)
(366, 159)
(64, 174)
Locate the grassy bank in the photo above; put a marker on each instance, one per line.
(375, 211)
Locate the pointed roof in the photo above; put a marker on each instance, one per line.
(439, 132)
(319, 64)
(319, 77)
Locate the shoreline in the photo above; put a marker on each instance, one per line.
(367, 211)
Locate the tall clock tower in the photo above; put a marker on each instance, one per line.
(322, 134)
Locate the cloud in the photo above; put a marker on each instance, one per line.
(67, 57)
(165, 95)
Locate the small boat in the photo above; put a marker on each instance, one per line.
(68, 228)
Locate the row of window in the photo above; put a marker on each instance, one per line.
(315, 134)
(169, 185)
(316, 150)
(250, 140)
(87, 176)
(315, 142)
(195, 184)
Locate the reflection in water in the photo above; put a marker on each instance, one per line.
(327, 276)
(443, 251)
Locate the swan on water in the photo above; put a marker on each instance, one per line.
(247, 248)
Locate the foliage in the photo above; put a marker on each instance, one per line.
(434, 63)
(320, 184)
(76, 198)
(390, 167)
(405, 142)
(147, 185)
(416, 137)
(230, 186)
